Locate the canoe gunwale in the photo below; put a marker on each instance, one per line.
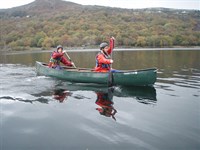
(67, 68)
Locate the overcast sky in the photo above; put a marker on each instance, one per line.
(180, 4)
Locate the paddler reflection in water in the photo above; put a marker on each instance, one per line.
(61, 95)
(104, 100)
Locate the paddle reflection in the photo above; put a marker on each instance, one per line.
(105, 103)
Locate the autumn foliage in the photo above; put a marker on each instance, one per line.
(49, 23)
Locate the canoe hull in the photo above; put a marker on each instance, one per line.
(73, 75)
(136, 78)
(125, 78)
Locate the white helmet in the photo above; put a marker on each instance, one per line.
(59, 46)
(103, 45)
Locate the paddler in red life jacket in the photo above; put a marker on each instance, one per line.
(57, 57)
(103, 59)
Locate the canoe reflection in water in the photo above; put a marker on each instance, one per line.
(105, 103)
(103, 100)
(143, 94)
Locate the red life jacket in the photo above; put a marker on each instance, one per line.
(102, 66)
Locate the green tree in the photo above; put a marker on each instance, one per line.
(48, 43)
(141, 41)
(38, 38)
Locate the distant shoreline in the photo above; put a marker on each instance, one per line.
(142, 49)
(96, 50)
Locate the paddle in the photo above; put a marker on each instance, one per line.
(70, 59)
(113, 45)
(110, 75)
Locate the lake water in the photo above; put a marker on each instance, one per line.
(41, 113)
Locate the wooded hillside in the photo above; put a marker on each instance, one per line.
(47, 23)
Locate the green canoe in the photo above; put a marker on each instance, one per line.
(143, 77)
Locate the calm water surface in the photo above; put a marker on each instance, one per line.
(41, 113)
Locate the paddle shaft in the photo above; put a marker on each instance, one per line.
(70, 59)
(113, 45)
(110, 75)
